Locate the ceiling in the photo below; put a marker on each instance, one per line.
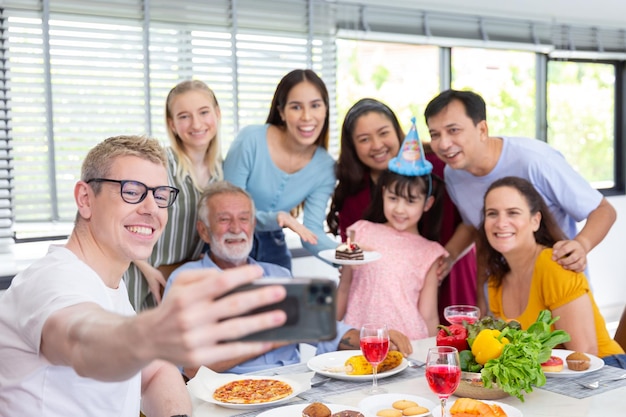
(601, 13)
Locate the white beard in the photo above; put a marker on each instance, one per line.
(233, 253)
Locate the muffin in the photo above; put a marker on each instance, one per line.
(578, 361)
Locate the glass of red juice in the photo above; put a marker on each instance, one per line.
(374, 342)
(443, 372)
(457, 314)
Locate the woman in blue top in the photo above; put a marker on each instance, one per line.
(285, 166)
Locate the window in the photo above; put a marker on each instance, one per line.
(581, 117)
(404, 76)
(507, 82)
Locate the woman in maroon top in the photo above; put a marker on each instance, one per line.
(370, 136)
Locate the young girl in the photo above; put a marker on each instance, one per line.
(370, 137)
(192, 117)
(400, 288)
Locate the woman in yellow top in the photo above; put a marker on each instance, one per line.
(515, 241)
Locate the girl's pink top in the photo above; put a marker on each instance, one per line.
(389, 289)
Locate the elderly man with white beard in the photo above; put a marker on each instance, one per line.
(226, 221)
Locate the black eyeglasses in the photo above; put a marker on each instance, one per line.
(134, 192)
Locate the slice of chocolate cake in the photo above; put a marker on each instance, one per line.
(351, 252)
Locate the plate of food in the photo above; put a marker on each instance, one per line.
(312, 410)
(351, 365)
(578, 364)
(396, 405)
(368, 256)
(253, 392)
(469, 403)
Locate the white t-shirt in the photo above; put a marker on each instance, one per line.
(29, 384)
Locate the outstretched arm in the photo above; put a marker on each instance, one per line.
(186, 328)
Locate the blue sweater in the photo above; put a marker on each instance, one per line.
(250, 166)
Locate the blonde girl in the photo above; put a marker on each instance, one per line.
(192, 119)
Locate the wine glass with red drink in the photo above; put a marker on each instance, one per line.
(375, 346)
(443, 372)
(457, 314)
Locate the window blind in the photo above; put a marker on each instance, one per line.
(6, 152)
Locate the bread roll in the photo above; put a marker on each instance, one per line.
(316, 410)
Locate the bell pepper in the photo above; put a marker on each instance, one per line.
(488, 345)
(454, 335)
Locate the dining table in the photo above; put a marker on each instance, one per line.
(556, 399)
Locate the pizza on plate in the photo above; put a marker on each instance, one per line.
(252, 391)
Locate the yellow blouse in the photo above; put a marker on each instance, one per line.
(552, 287)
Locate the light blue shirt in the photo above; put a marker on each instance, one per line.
(567, 194)
(286, 355)
(249, 166)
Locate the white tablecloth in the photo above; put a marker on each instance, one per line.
(539, 403)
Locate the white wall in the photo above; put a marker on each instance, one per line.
(607, 262)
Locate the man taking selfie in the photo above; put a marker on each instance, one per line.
(70, 341)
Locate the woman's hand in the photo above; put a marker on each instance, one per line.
(287, 220)
(156, 283)
(155, 279)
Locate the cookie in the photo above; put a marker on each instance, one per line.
(415, 411)
(402, 404)
(389, 412)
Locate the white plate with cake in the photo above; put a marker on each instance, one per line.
(595, 364)
(368, 256)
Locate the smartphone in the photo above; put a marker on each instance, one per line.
(310, 307)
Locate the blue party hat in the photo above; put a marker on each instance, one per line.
(410, 160)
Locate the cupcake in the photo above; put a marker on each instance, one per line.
(578, 361)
